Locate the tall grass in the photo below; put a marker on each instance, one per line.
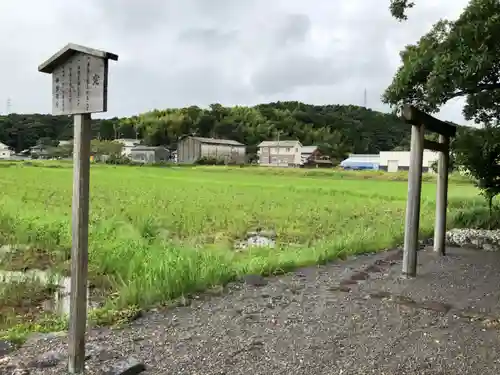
(163, 232)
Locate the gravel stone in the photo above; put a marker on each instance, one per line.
(481, 239)
(5, 347)
(48, 359)
(130, 366)
(255, 280)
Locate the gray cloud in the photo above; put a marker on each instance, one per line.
(288, 72)
(175, 53)
(294, 29)
(207, 38)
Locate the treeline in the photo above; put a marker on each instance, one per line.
(337, 129)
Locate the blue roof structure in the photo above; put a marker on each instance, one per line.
(359, 162)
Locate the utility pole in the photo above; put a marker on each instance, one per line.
(364, 99)
(8, 106)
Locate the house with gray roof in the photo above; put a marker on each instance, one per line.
(286, 153)
(191, 149)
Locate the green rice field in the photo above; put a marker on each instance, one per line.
(157, 233)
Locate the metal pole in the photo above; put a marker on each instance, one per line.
(413, 203)
(79, 250)
(441, 197)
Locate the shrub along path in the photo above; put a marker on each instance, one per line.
(350, 317)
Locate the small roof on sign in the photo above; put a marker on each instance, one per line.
(69, 50)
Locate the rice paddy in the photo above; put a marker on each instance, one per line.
(160, 233)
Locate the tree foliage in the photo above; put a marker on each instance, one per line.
(399, 7)
(455, 58)
(104, 147)
(337, 129)
(478, 151)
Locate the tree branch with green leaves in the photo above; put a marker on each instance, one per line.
(399, 7)
(454, 59)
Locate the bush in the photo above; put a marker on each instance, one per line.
(206, 161)
(118, 160)
(211, 161)
(477, 218)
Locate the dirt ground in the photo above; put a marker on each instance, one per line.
(351, 317)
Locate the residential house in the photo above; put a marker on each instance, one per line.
(280, 153)
(361, 162)
(5, 151)
(65, 143)
(394, 161)
(308, 153)
(149, 154)
(39, 151)
(310, 156)
(191, 149)
(128, 145)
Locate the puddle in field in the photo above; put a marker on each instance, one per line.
(60, 301)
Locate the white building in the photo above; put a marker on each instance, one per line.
(65, 143)
(280, 153)
(128, 145)
(394, 161)
(5, 151)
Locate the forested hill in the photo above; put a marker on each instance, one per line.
(338, 129)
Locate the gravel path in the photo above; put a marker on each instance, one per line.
(321, 320)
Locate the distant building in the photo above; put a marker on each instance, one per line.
(6, 152)
(128, 145)
(65, 143)
(280, 153)
(308, 153)
(39, 151)
(191, 149)
(311, 156)
(394, 161)
(149, 154)
(390, 161)
(361, 162)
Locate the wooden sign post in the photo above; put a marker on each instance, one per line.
(79, 88)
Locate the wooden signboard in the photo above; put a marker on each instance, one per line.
(79, 88)
(80, 85)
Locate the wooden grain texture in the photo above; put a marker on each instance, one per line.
(59, 58)
(80, 85)
(414, 116)
(435, 146)
(79, 250)
(412, 222)
(441, 198)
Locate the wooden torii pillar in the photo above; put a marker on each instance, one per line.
(420, 122)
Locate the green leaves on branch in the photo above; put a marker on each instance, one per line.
(478, 152)
(398, 8)
(460, 58)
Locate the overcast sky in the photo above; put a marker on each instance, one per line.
(195, 52)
